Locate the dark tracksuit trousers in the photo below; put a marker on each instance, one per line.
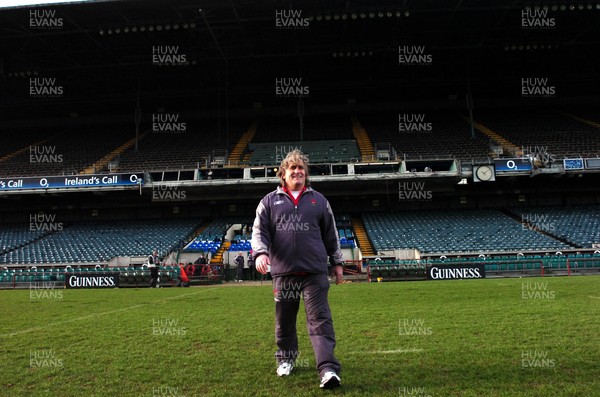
(153, 276)
(313, 288)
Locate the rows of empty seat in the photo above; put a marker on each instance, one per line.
(454, 231)
(199, 143)
(343, 224)
(315, 127)
(24, 139)
(549, 131)
(325, 138)
(65, 152)
(99, 241)
(425, 134)
(326, 151)
(16, 235)
(213, 235)
(198, 245)
(241, 245)
(579, 225)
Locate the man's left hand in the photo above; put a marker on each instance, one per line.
(339, 273)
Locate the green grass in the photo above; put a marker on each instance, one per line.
(469, 341)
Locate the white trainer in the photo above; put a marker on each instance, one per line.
(285, 369)
(330, 380)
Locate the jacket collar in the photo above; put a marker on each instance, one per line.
(280, 190)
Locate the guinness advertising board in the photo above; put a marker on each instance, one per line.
(455, 272)
(92, 280)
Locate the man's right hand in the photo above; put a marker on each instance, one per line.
(261, 264)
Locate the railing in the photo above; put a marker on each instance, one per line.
(30, 279)
(415, 269)
(588, 264)
(353, 267)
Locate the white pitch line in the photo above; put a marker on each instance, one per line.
(595, 297)
(25, 331)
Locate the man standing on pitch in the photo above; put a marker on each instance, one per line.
(239, 261)
(294, 232)
(153, 263)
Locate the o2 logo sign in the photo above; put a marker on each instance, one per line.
(512, 165)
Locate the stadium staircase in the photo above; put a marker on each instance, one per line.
(103, 162)
(199, 230)
(507, 146)
(363, 239)
(218, 256)
(367, 151)
(584, 121)
(26, 148)
(242, 144)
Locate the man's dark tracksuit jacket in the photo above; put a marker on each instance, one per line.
(298, 237)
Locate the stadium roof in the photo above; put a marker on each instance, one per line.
(103, 54)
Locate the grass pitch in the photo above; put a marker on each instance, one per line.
(494, 337)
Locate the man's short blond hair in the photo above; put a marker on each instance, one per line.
(293, 157)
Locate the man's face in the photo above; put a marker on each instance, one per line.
(295, 176)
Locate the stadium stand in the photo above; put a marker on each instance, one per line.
(557, 132)
(98, 242)
(454, 231)
(200, 245)
(64, 153)
(361, 109)
(325, 138)
(579, 225)
(13, 236)
(346, 235)
(326, 151)
(315, 127)
(425, 134)
(443, 134)
(20, 143)
(190, 149)
(214, 235)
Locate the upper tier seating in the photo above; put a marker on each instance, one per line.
(189, 149)
(325, 139)
(315, 128)
(437, 135)
(317, 151)
(64, 153)
(557, 133)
